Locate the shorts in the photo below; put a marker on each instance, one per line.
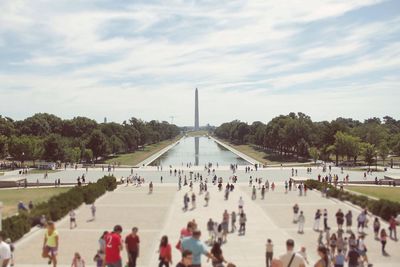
(115, 264)
(361, 252)
(240, 207)
(51, 250)
(72, 220)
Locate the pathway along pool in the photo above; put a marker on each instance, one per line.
(198, 151)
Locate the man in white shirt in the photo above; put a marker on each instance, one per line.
(5, 252)
(291, 258)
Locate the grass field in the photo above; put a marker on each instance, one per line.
(388, 193)
(264, 156)
(138, 156)
(10, 198)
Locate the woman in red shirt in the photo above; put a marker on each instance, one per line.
(165, 252)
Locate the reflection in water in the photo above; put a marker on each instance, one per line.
(196, 151)
(205, 151)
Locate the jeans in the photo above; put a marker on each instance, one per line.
(132, 258)
(268, 258)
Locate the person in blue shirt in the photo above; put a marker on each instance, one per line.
(197, 247)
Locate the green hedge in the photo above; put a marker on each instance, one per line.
(57, 207)
(382, 208)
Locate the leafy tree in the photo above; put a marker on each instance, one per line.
(54, 148)
(3, 146)
(98, 144)
(369, 152)
(73, 155)
(314, 153)
(383, 151)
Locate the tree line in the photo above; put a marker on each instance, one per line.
(48, 137)
(297, 135)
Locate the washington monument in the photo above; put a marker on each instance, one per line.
(196, 111)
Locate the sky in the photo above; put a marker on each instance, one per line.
(251, 60)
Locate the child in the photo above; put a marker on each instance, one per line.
(77, 261)
(99, 258)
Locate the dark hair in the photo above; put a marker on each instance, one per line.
(104, 233)
(118, 228)
(2, 235)
(164, 241)
(186, 253)
(324, 251)
(135, 229)
(290, 243)
(216, 250)
(196, 233)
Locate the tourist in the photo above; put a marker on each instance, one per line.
(77, 261)
(150, 187)
(263, 192)
(301, 220)
(219, 260)
(12, 248)
(72, 219)
(353, 257)
(225, 225)
(5, 251)
(376, 226)
(339, 259)
(207, 198)
(392, 228)
(242, 223)
(317, 218)
(291, 258)
(165, 255)
(326, 227)
(233, 221)
(187, 259)
(30, 205)
(333, 243)
(93, 210)
(132, 246)
(269, 252)
(197, 248)
(362, 249)
(340, 219)
(193, 201)
(113, 247)
(303, 253)
(383, 238)
(50, 244)
(254, 193)
(241, 204)
(361, 222)
(324, 259)
(295, 212)
(186, 200)
(102, 242)
(99, 258)
(210, 229)
(349, 220)
(185, 232)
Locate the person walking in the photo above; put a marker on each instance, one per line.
(353, 257)
(242, 222)
(340, 219)
(295, 212)
(50, 244)
(233, 221)
(376, 226)
(301, 220)
(362, 248)
(165, 253)
(77, 261)
(197, 248)
(193, 201)
(113, 247)
(216, 251)
(339, 259)
(291, 258)
(210, 229)
(241, 205)
(326, 227)
(132, 242)
(72, 219)
(269, 253)
(93, 210)
(392, 228)
(383, 238)
(207, 198)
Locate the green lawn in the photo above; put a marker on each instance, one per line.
(197, 133)
(389, 193)
(138, 156)
(1, 173)
(11, 197)
(263, 156)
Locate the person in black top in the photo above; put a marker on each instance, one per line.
(353, 257)
(187, 258)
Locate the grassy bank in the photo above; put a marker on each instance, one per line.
(11, 197)
(138, 156)
(388, 193)
(263, 156)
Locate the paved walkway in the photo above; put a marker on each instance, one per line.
(161, 213)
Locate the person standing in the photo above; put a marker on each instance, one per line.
(383, 238)
(241, 205)
(349, 220)
(233, 221)
(377, 226)
(5, 251)
(225, 225)
(193, 201)
(295, 212)
(269, 252)
(291, 258)
(340, 219)
(317, 218)
(392, 228)
(207, 198)
(301, 220)
(242, 222)
(132, 246)
(353, 257)
(93, 210)
(165, 253)
(210, 229)
(339, 259)
(50, 244)
(113, 247)
(72, 219)
(197, 248)
(187, 259)
(326, 227)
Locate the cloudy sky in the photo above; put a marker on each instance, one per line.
(251, 60)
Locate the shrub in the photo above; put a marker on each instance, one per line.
(57, 207)
(382, 208)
